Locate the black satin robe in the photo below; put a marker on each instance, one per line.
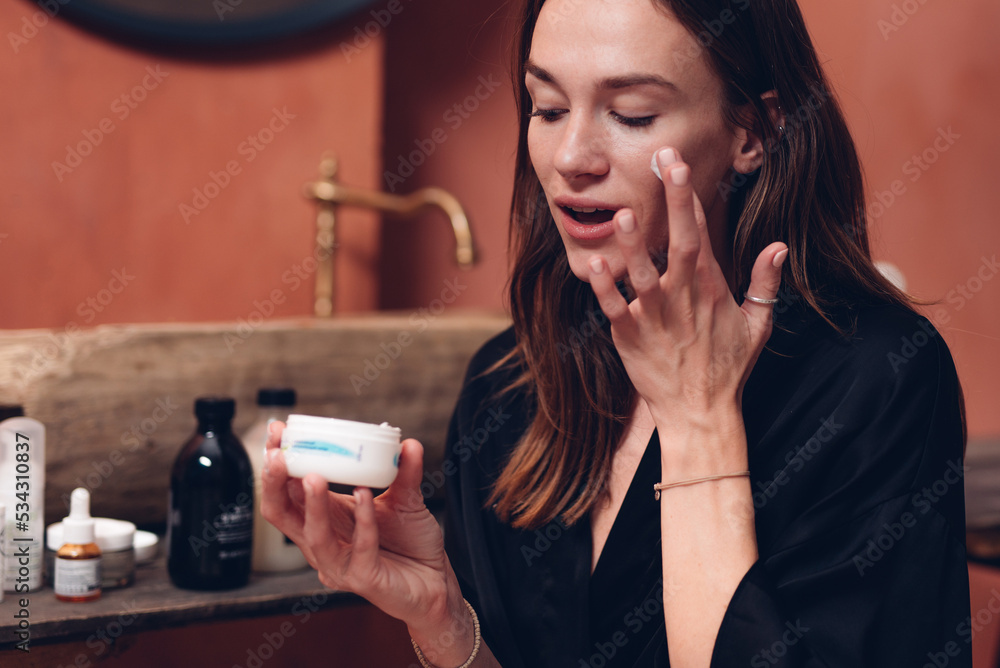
(855, 448)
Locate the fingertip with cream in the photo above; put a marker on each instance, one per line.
(655, 166)
(667, 156)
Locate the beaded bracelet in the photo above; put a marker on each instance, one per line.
(660, 486)
(475, 648)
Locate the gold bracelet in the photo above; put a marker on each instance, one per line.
(475, 648)
(658, 487)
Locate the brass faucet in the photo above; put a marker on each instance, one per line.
(328, 194)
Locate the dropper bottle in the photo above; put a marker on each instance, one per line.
(78, 561)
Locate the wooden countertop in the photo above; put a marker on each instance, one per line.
(153, 602)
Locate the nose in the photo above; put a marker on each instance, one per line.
(581, 150)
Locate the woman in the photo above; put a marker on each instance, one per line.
(808, 507)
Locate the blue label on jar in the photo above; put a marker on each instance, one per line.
(327, 448)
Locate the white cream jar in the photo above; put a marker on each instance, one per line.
(342, 451)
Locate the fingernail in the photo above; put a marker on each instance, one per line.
(627, 222)
(668, 156)
(679, 176)
(779, 259)
(597, 266)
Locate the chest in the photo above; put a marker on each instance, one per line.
(624, 465)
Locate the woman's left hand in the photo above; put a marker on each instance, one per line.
(686, 344)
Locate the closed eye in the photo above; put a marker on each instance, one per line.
(633, 121)
(547, 115)
(552, 115)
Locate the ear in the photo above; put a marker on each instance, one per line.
(752, 143)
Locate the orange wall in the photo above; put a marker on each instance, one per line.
(901, 88)
(65, 232)
(437, 57)
(939, 70)
(60, 242)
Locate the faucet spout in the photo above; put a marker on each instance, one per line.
(328, 194)
(403, 205)
(465, 253)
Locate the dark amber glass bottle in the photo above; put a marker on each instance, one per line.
(210, 523)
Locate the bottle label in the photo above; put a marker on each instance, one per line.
(14, 578)
(77, 577)
(234, 531)
(315, 446)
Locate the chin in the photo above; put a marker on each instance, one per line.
(579, 264)
(580, 272)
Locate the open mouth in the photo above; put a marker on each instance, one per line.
(589, 216)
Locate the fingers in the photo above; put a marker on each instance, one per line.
(365, 541)
(316, 528)
(283, 500)
(274, 431)
(602, 282)
(642, 273)
(685, 239)
(277, 503)
(688, 238)
(404, 491)
(765, 280)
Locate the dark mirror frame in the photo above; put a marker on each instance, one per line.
(162, 23)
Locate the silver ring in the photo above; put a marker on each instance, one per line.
(758, 300)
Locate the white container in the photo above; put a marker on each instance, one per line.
(22, 491)
(342, 451)
(116, 538)
(146, 545)
(272, 551)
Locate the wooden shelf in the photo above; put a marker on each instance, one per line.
(153, 602)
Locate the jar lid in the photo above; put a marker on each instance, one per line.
(311, 424)
(146, 543)
(109, 534)
(11, 412)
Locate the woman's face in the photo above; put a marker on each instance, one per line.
(612, 81)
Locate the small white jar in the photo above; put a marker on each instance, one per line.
(116, 540)
(342, 451)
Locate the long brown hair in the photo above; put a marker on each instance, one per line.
(809, 193)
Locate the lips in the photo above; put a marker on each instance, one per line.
(589, 215)
(586, 224)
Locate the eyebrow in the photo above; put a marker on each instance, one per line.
(610, 83)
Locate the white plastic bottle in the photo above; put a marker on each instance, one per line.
(22, 491)
(272, 551)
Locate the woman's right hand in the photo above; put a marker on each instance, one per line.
(388, 549)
